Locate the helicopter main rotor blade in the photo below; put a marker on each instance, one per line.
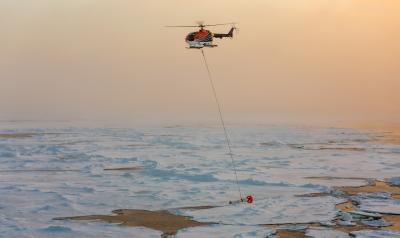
(221, 24)
(181, 26)
(204, 25)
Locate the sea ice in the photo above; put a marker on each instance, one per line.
(326, 233)
(376, 223)
(59, 171)
(394, 181)
(379, 195)
(376, 234)
(388, 206)
(278, 210)
(225, 231)
(85, 229)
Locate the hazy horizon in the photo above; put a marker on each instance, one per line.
(292, 61)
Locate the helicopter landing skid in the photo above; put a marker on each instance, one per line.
(201, 46)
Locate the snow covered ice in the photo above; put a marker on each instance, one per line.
(59, 171)
(388, 206)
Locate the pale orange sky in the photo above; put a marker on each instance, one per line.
(293, 60)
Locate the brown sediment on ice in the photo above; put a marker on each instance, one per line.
(375, 187)
(341, 178)
(163, 221)
(347, 206)
(134, 168)
(291, 234)
(356, 227)
(24, 135)
(17, 135)
(395, 219)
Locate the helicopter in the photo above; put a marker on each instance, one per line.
(203, 37)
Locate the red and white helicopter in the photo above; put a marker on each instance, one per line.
(204, 38)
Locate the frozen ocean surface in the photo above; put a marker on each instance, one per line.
(59, 171)
(222, 231)
(388, 206)
(376, 234)
(326, 233)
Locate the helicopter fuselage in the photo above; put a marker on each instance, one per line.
(204, 38)
(200, 39)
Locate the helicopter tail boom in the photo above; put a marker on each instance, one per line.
(223, 35)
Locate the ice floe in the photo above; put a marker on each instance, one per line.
(279, 210)
(376, 234)
(225, 231)
(394, 181)
(326, 233)
(388, 206)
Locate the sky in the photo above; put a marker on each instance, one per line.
(292, 60)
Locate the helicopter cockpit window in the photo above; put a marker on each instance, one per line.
(190, 37)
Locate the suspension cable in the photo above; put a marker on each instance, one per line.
(228, 142)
